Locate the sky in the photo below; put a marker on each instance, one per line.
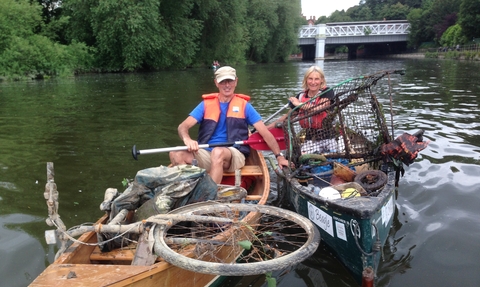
(319, 8)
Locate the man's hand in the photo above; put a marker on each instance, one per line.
(282, 162)
(191, 144)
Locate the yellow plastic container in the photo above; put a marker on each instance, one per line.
(350, 192)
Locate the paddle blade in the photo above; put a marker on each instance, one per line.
(257, 142)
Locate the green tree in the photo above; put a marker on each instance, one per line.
(262, 20)
(224, 36)
(429, 22)
(283, 41)
(340, 16)
(360, 13)
(453, 36)
(418, 28)
(134, 34)
(396, 11)
(469, 18)
(17, 19)
(320, 20)
(127, 35)
(439, 17)
(54, 25)
(26, 54)
(80, 20)
(375, 6)
(413, 3)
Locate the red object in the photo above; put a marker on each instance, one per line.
(404, 148)
(247, 181)
(334, 180)
(257, 142)
(367, 277)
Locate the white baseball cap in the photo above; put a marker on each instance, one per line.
(225, 73)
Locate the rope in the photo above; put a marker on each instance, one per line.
(375, 247)
(67, 235)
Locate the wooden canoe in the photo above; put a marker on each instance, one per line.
(85, 265)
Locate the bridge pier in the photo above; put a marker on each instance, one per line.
(320, 42)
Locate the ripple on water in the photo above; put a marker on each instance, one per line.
(8, 185)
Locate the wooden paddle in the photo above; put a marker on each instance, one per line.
(255, 141)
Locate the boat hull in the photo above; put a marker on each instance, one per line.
(338, 220)
(86, 265)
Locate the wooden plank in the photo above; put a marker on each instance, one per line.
(114, 255)
(247, 170)
(253, 197)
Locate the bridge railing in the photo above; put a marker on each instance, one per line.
(308, 32)
(372, 29)
(333, 30)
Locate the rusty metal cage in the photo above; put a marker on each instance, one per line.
(353, 126)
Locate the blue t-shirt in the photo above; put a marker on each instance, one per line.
(220, 133)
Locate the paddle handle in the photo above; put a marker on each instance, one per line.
(272, 116)
(276, 113)
(136, 152)
(255, 141)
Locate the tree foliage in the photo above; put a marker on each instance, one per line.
(453, 36)
(340, 16)
(360, 13)
(429, 19)
(264, 20)
(439, 16)
(469, 18)
(26, 54)
(283, 39)
(127, 35)
(418, 31)
(50, 37)
(395, 11)
(224, 36)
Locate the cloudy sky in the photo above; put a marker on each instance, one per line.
(319, 8)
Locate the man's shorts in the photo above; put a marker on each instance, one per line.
(204, 161)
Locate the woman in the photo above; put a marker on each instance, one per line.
(313, 85)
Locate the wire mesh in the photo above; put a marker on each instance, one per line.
(352, 126)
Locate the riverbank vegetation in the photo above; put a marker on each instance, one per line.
(433, 23)
(454, 54)
(43, 38)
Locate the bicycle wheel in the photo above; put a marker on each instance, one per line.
(259, 239)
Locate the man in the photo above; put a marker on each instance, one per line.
(223, 117)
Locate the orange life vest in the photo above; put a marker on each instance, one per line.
(237, 126)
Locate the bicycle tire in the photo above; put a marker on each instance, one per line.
(188, 256)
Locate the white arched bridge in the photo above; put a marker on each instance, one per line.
(388, 33)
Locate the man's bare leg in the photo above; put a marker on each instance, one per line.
(221, 158)
(180, 157)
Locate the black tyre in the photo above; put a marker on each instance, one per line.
(371, 180)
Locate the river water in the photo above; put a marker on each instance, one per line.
(87, 126)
